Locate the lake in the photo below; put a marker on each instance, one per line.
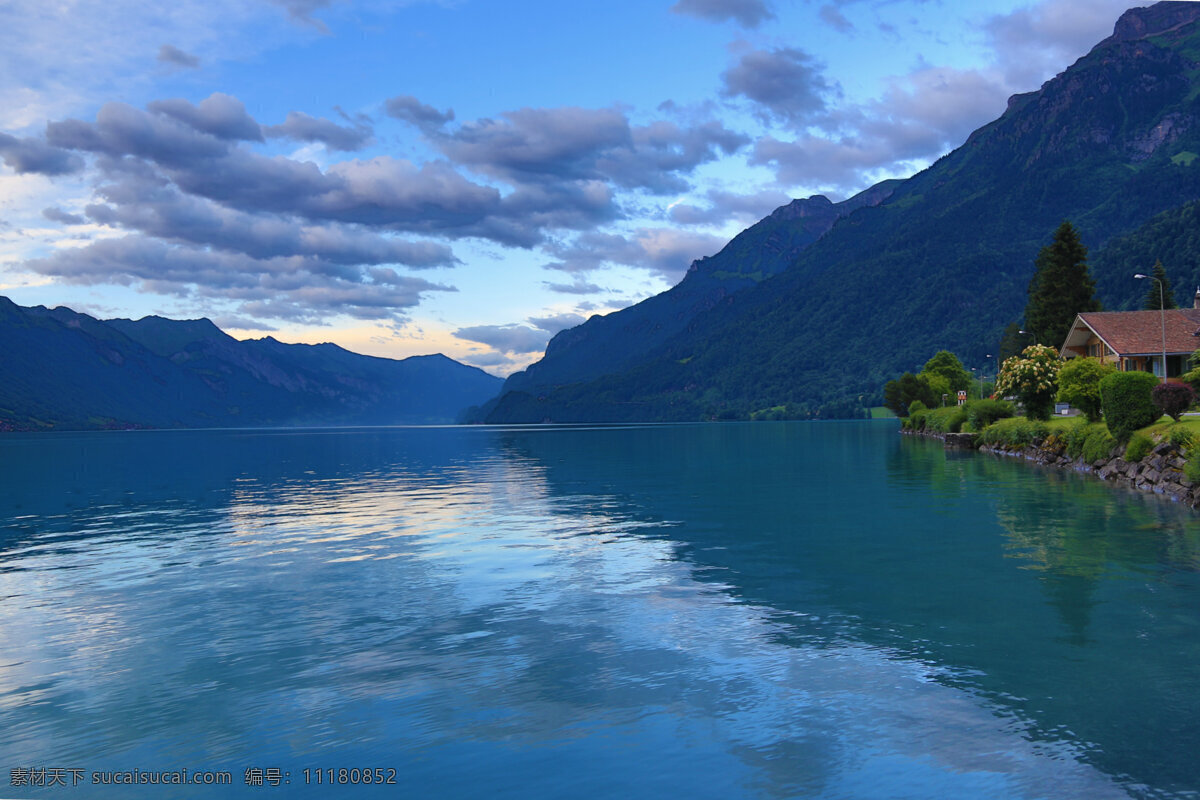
(806, 609)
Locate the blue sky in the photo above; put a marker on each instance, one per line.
(466, 176)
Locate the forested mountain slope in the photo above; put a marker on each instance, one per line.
(943, 262)
(63, 370)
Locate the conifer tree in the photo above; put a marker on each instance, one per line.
(1013, 342)
(1152, 294)
(1061, 288)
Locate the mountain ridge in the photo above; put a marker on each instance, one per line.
(711, 280)
(942, 262)
(156, 372)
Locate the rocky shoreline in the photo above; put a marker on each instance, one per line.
(1160, 472)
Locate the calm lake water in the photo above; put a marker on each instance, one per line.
(823, 610)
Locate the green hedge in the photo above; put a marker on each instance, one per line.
(1099, 444)
(1013, 432)
(1125, 398)
(945, 420)
(1090, 441)
(1139, 447)
(1076, 436)
(1191, 467)
(1181, 437)
(981, 413)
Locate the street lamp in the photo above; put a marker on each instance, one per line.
(981, 372)
(1162, 315)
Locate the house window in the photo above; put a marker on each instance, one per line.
(1174, 366)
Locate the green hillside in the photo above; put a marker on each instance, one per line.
(944, 261)
(1172, 237)
(617, 341)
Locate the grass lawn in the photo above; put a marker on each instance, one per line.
(1164, 424)
(1019, 431)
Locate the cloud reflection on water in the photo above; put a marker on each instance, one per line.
(478, 608)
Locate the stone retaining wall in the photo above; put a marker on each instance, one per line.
(1160, 472)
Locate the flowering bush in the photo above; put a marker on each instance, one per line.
(1032, 378)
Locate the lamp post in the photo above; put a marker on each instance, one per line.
(1162, 315)
(989, 355)
(1025, 333)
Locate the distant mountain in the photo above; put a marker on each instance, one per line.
(606, 344)
(63, 370)
(938, 261)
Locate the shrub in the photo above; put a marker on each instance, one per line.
(946, 420)
(1192, 376)
(982, 413)
(1079, 384)
(1098, 444)
(1191, 468)
(1089, 441)
(1013, 432)
(1139, 447)
(1077, 435)
(1125, 397)
(903, 393)
(1032, 378)
(1181, 437)
(1172, 399)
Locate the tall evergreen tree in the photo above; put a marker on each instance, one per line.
(1061, 288)
(1152, 294)
(1013, 342)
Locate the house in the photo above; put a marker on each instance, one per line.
(1134, 340)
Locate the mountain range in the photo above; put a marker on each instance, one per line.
(63, 370)
(813, 308)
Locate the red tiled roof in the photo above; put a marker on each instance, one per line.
(1141, 332)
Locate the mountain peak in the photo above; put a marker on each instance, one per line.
(796, 323)
(813, 206)
(1139, 23)
(166, 337)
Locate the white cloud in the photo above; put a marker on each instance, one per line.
(931, 109)
(513, 339)
(58, 57)
(1038, 41)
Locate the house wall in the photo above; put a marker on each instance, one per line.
(1176, 365)
(1095, 348)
